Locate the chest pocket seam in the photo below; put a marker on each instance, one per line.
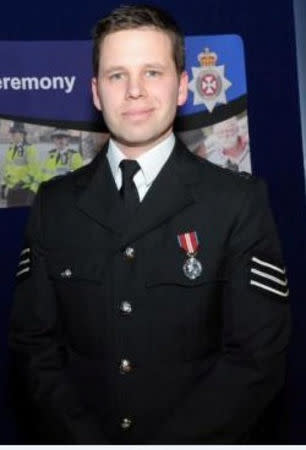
(69, 270)
(174, 275)
(184, 283)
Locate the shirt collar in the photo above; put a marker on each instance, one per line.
(150, 162)
(62, 150)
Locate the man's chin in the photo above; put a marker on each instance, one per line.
(140, 141)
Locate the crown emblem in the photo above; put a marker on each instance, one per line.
(207, 58)
(209, 84)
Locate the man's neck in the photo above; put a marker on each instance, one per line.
(63, 149)
(133, 152)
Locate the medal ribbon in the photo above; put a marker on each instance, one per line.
(189, 242)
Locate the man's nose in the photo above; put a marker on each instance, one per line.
(135, 87)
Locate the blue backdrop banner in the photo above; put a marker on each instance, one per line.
(49, 126)
(51, 80)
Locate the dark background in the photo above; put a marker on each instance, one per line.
(267, 29)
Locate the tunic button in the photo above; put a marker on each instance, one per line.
(125, 308)
(126, 423)
(129, 252)
(66, 273)
(125, 366)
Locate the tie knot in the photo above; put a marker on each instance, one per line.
(129, 168)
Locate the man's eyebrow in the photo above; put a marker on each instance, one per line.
(113, 69)
(155, 65)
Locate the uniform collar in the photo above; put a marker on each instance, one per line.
(174, 190)
(151, 162)
(63, 150)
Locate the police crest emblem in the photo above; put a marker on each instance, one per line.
(209, 84)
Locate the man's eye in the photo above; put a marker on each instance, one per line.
(116, 76)
(153, 73)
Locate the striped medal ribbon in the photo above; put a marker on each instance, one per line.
(189, 242)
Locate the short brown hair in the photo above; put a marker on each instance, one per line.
(128, 17)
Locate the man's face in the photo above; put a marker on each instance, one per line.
(61, 142)
(17, 137)
(138, 88)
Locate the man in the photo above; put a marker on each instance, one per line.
(21, 168)
(61, 159)
(227, 148)
(151, 304)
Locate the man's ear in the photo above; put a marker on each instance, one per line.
(183, 89)
(95, 93)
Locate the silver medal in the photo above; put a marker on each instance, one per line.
(192, 268)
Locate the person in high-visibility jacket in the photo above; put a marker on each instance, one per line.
(61, 159)
(21, 168)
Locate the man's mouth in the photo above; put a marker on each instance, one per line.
(138, 113)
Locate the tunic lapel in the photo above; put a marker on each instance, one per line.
(170, 193)
(99, 198)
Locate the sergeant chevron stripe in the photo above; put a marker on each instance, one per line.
(266, 264)
(20, 272)
(24, 265)
(268, 277)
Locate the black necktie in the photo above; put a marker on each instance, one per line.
(128, 191)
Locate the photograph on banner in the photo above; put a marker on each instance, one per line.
(217, 99)
(225, 143)
(49, 126)
(30, 154)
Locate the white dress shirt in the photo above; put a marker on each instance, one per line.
(150, 162)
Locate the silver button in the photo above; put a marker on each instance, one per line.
(125, 308)
(126, 423)
(129, 252)
(125, 366)
(66, 273)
